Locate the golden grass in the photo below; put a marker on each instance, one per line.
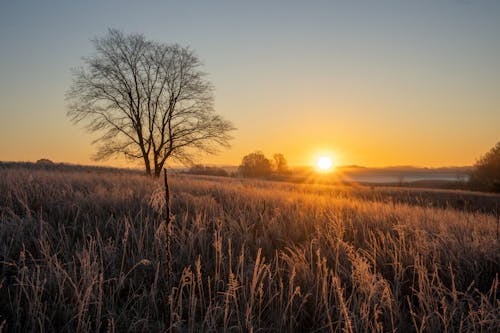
(87, 252)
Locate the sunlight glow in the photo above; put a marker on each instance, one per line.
(324, 163)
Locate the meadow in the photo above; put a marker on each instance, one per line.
(92, 251)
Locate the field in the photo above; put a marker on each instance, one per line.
(90, 251)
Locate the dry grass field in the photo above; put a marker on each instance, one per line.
(84, 251)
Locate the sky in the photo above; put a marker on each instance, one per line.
(372, 83)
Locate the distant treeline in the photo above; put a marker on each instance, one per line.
(48, 165)
(252, 165)
(483, 176)
(199, 169)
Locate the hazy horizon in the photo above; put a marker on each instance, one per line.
(374, 84)
(236, 165)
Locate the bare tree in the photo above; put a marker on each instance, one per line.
(147, 100)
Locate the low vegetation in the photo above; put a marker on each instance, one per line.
(85, 251)
(199, 169)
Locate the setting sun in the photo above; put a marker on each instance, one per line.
(324, 163)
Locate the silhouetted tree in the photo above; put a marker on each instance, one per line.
(148, 100)
(486, 172)
(255, 165)
(280, 164)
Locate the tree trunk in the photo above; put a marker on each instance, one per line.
(147, 164)
(157, 171)
(158, 167)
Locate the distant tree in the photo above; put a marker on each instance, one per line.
(486, 172)
(255, 165)
(280, 164)
(149, 101)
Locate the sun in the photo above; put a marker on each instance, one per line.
(324, 163)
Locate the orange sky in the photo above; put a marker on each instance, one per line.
(372, 83)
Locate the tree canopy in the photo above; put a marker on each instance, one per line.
(149, 101)
(255, 165)
(486, 172)
(280, 164)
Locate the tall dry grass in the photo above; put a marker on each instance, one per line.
(83, 252)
